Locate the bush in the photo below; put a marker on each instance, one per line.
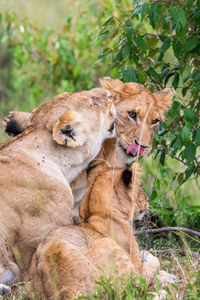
(157, 43)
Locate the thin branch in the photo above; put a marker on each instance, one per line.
(173, 156)
(166, 229)
(181, 251)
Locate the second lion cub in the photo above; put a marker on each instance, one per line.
(66, 264)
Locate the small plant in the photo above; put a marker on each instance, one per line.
(121, 289)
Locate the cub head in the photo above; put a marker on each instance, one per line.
(113, 192)
(139, 113)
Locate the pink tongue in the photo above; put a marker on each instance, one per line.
(134, 149)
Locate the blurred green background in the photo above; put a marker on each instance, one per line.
(51, 46)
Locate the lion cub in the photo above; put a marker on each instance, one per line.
(66, 264)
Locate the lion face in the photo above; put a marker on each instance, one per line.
(139, 113)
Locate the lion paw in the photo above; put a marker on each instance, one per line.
(150, 265)
(5, 291)
(16, 122)
(165, 278)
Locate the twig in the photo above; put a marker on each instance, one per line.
(165, 229)
(181, 251)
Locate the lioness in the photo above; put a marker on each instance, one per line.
(139, 113)
(38, 165)
(66, 264)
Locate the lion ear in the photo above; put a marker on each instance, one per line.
(163, 99)
(118, 87)
(64, 131)
(112, 85)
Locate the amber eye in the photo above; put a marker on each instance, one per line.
(132, 115)
(155, 121)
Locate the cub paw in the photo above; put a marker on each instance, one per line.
(5, 291)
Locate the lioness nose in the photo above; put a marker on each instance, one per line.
(142, 146)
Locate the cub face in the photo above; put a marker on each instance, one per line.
(139, 113)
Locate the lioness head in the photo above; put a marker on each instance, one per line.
(113, 191)
(85, 118)
(74, 119)
(139, 113)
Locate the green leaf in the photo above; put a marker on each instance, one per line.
(140, 43)
(140, 10)
(154, 14)
(175, 110)
(177, 143)
(190, 3)
(102, 34)
(197, 137)
(129, 30)
(188, 115)
(144, 8)
(177, 47)
(196, 75)
(136, 11)
(181, 16)
(164, 47)
(180, 178)
(190, 44)
(185, 133)
(162, 157)
(184, 91)
(101, 57)
(154, 74)
(189, 172)
(128, 75)
(175, 81)
(189, 153)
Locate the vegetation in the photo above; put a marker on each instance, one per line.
(156, 43)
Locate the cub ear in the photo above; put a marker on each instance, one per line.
(131, 174)
(127, 177)
(163, 99)
(65, 130)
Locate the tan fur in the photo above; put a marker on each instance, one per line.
(66, 264)
(37, 167)
(126, 97)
